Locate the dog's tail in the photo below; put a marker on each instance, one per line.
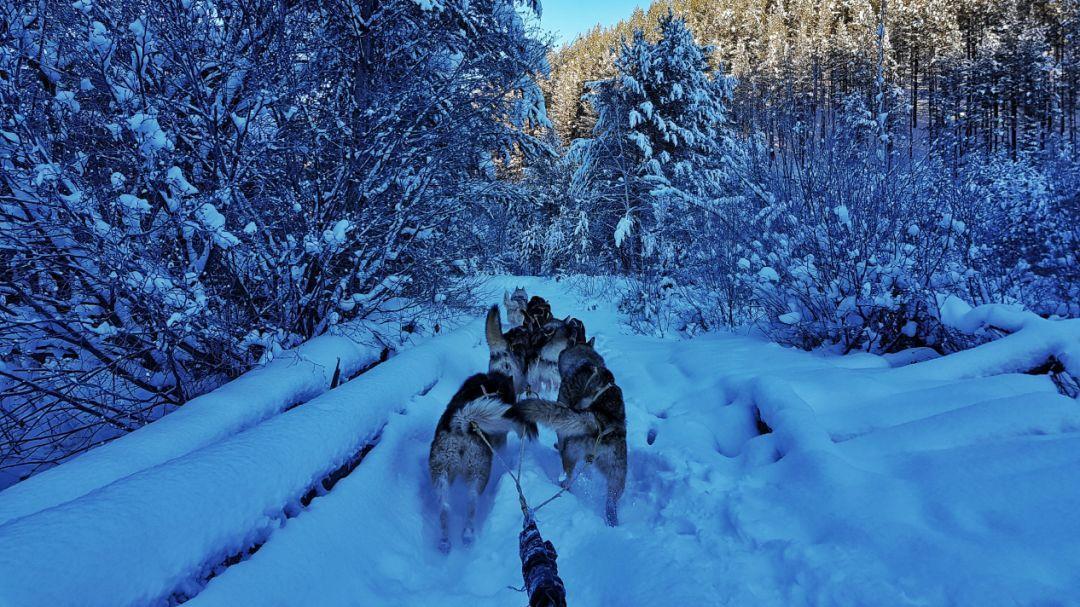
(557, 416)
(493, 331)
(525, 428)
(488, 413)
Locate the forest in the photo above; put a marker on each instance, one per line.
(718, 302)
(189, 188)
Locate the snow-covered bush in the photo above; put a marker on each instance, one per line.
(851, 246)
(546, 228)
(1025, 214)
(653, 305)
(188, 187)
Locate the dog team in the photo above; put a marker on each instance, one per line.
(538, 354)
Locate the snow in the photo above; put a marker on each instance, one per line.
(176, 180)
(642, 142)
(217, 500)
(1031, 342)
(338, 235)
(769, 274)
(293, 377)
(99, 40)
(843, 214)
(214, 222)
(66, 99)
(790, 318)
(898, 480)
(623, 229)
(148, 133)
(429, 5)
(134, 203)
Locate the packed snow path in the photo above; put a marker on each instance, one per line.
(926, 484)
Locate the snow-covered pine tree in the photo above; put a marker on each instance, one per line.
(659, 140)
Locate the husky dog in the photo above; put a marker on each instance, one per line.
(548, 342)
(537, 313)
(589, 418)
(548, 337)
(508, 352)
(515, 306)
(529, 353)
(483, 408)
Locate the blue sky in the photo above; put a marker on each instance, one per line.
(568, 18)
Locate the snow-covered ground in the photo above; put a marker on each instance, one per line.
(293, 377)
(946, 482)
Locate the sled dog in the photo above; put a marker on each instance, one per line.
(589, 418)
(537, 313)
(507, 352)
(548, 337)
(484, 404)
(530, 353)
(548, 342)
(515, 306)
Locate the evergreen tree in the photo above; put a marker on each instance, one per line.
(658, 138)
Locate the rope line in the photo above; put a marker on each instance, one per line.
(527, 511)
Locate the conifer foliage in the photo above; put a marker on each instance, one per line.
(656, 148)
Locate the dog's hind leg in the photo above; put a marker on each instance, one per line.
(615, 488)
(442, 493)
(469, 532)
(613, 466)
(570, 452)
(478, 467)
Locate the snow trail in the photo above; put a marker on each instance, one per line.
(708, 517)
(918, 485)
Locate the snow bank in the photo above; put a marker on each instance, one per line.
(164, 527)
(1036, 414)
(1035, 340)
(792, 421)
(293, 377)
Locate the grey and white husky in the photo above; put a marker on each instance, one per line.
(515, 306)
(550, 340)
(483, 408)
(507, 352)
(529, 353)
(589, 418)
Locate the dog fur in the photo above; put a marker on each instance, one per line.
(537, 313)
(542, 370)
(507, 352)
(589, 418)
(529, 353)
(484, 404)
(515, 306)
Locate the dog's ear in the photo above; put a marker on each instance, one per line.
(592, 342)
